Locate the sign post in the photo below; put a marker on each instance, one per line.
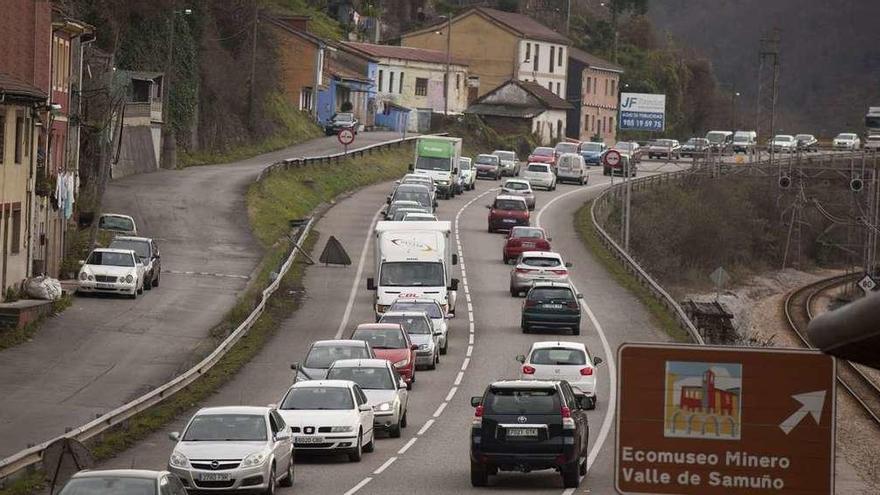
(346, 137)
(724, 420)
(642, 112)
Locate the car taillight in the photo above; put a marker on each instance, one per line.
(478, 412)
(588, 371)
(531, 303)
(571, 304)
(524, 270)
(528, 370)
(566, 412)
(567, 420)
(559, 272)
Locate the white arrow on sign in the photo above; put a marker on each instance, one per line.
(811, 403)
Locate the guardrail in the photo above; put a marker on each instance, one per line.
(32, 456)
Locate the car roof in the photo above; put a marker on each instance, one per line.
(338, 342)
(131, 238)
(120, 473)
(542, 254)
(404, 202)
(112, 250)
(404, 313)
(510, 197)
(557, 344)
(514, 384)
(543, 284)
(422, 300)
(120, 215)
(412, 187)
(323, 383)
(378, 326)
(542, 164)
(360, 363)
(521, 181)
(233, 410)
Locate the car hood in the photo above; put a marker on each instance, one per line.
(219, 450)
(393, 355)
(375, 397)
(114, 271)
(513, 192)
(540, 158)
(485, 166)
(420, 338)
(297, 417)
(591, 153)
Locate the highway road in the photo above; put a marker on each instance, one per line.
(104, 351)
(432, 454)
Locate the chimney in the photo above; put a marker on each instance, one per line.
(298, 22)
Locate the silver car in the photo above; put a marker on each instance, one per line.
(322, 353)
(534, 266)
(421, 333)
(238, 448)
(385, 390)
(521, 188)
(433, 311)
(509, 162)
(128, 481)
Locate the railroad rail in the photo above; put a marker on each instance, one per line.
(799, 312)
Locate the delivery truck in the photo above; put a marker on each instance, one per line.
(438, 157)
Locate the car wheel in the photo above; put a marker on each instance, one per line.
(525, 326)
(133, 295)
(372, 445)
(571, 475)
(141, 290)
(576, 330)
(270, 483)
(288, 479)
(409, 385)
(445, 347)
(394, 432)
(491, 230)
(148, 285)
(403, 420)
(593, 401)
(479, 475)
(433, 365)
(358, 451)
(513, 292)
(156, 282)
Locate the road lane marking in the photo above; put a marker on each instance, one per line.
(465, 363)
(425, 427)
(407, 446)
(471, 339)
(383, 467)
(358, 486)
(459, 377)
(470, 350)
(440, 409)
(451, 393)
(357, 277)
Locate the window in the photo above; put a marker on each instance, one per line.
(611, 124)
(606, 87)
(421, 86)
(19, 137)
(552, 58)
(457, 81)
(2, 138)
(528, 52)
(589, 85)
(400, 84)
(305, 99)
(559, 58)
(537, 57)
(587, 123)
(613, 87)
(559, 89)
(381, 73)
(15, 242)
(390, 82)
(550, 85)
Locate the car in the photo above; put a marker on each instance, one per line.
(401, 213)
(432, 310)
(872, 142)
(533, 266)
(119, 224)
(385, 390)
(425, 180)
(392, 208)
(329, 417)
(147, 251)
(665, 148)
(847, 141)
(421, 332)
(744, 141)
(783, 143)
(413, 216)
(488, 167)
(323, 353)
(551, 305)
(806, 142)
(529, 425)
(390, 341)
(571, 167)
(420, 193)
(592, 152)
(522, 239)
(507, 212)
(236, 448)
(623, 164)
(543, 154)
(112, 271)
(540, 175)
(128, 481)
(557, 360)
(509, 162)
(521, 188)
(630, 149)
(468, 173)
(563, 147)
(340, 121)
(694, 147)
(719, 141)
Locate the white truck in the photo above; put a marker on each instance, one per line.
(414, 260)
(438, 157)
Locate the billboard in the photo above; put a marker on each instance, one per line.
(642, 112)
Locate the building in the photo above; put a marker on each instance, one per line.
(416, 78)
(499, 46)
(348, 74)
(521, 107)
(593, 89)
(140, 149)
(302, 56)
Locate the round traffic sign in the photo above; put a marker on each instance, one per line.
(612, 158)
(345, 136)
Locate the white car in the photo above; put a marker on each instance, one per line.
(240, 448)
(413, 216)
(468, 173)
(521, 188)
(847, 141)
(872, 143)
(433, 311)
(783, 143)
(534, 266)
(329, 416)
(540, 175)
(112, 271)
(509, 162)
(421, 333)
(571, 167)
(385, 390)
(568, 361)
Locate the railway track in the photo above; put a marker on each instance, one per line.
(798, 312)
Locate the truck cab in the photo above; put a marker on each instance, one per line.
(438, 157)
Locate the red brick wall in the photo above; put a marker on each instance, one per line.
(25, 40)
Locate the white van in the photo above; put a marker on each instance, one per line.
(571, 167)
(744, 141)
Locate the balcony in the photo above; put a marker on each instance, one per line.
(156, 109)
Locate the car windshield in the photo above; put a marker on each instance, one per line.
(803, 137)
(411, 274)
(558, 356)
(505, 155)
(104, 258)
(782, 139)
(551, 294)
(521, 401)
(740, 139)
(624, 146)
(527, 233)
(464, 164)
(566, 148)
(226, 427)
(540, 262)
(433, 163)
(593, 147)
(432, 310)
(487, 160)
(381, 338)
(846, 136)
(510, 205)
(544, 152)
(367, 378)
(663, 143)
(343, 117)
(716, 137)
(109, 485)
(516, 186)
(318, 398)
(421, 197)
(539, 168)
(141, 248)
(116, 223)
(412, 324)
(322, 356)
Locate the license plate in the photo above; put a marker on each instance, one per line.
(528, 244)
(522, 432)
(214, 476)
(309, 440)
(104, 286)
(509, 220)
(553, 306)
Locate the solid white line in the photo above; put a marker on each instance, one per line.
(440, 409)
(357, 278)
(465, 364)
(359, 486)
(459, 377)
(451, 393)
(383, 467)
(425, 427)
(407, 446)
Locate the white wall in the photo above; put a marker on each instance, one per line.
(542, 74)
(411, 70)
(547, 126)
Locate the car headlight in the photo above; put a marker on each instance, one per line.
(424, 347)
(401, 363)
(178, 460)
(341, 429)
(129, 278)
(385, 406)
(255, 459)
(83, 276)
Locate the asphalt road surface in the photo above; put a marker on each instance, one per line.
(104, 351)
(432, 454)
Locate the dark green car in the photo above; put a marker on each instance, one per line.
(552, 305)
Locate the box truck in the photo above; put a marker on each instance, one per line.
(438, 157)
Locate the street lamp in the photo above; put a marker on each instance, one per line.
(733, 98)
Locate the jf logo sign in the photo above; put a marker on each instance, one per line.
(642, 112)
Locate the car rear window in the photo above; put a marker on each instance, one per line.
(369, 378)
(381, 338)
(543, 152)
(318, 398)
(487, 159)
(539, 168)
(505, 155)
(510, 205)
(520, 401)
(551, 293)
(322, 356)
(412, 324)
(432, 310)
(558, 356)
(528, 233)
(516, 186)
(540, 262)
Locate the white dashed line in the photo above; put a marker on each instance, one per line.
(407, 446)
(357, 278)
(425, 427)
(383, 467)
(465, 363)
(471, 339)
(451, 393)
(459, 377)
(359, 486)
(440, 409)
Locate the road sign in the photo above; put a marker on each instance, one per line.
(724, 420)
(612, 158)
(345, 137)
(867, 283)
(642, 112)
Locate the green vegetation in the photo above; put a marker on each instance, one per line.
(28, 484)
(320, 23)
(590, 237)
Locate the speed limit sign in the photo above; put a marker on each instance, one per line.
(345, 136)
(612, 158)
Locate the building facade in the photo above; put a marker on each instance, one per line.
(518, 107)
(498, 46)
(594, 89)
(302, 56)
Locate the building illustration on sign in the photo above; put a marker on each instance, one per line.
(703, 400)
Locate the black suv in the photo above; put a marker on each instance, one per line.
(341, 121)
(551, 305)
(528, 425)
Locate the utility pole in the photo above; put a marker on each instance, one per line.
(568, 19)
(169, 141)
(446, 77)
(768, 87)
(252, 90)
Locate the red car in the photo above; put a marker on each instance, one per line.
(391, 342)
(507, 212)
(523, 239)
(543, 154)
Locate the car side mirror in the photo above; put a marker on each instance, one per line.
(272, 406)
(488, 207)
(414, 347)
(449, 316)
(580, 296)
(401, 383)
(454, 259)
(364, 408)
(476, 401)
(397, 182)
(282, 435)
(387, 200)
(568, 265)
(81, 262)
(597, 361)
(549, 239)
(371, 283)
(521, 358)
(174, 436)
(453, 285)
(436, 204)
(437, 333)
(454, 171)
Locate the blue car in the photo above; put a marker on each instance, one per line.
(592, 152)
